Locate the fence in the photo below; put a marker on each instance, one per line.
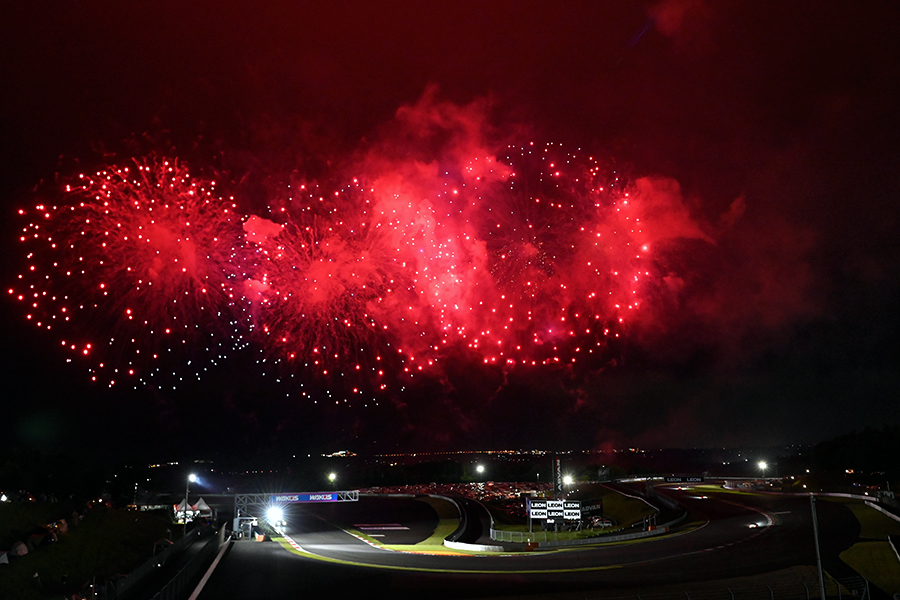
(521, 537)
(549, 538)
(123, 586)
(177, 588)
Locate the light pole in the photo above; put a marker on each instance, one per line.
(815, 520)
(332, 477)
(480, 470)
(762, 467)
(187, 486)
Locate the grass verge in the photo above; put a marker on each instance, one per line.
(106, 543)
(876, 562)
(874, 524)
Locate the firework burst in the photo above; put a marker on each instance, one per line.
(132, 265)
(506, 260)
(325, 285)
(548, 306)
(533, 258)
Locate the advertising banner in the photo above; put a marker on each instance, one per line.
(551, 510)
(537, 509)
(312, 497)
(684, 479)
(555, 509)
(571, 510)
(558, 478)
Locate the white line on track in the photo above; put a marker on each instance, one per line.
(209, 571)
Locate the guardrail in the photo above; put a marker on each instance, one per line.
(123, 586)
(603, 539)
(175, 589)
(548, 539)
(453, 537)
(545, 538)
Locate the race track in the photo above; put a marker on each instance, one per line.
(719, 543)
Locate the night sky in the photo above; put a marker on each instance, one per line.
(761, 139)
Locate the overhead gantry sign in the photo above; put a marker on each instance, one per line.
(290, 498)
(243, 502)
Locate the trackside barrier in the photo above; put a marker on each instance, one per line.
(882, 510)
(869, 500)
(462, 520)
(473, 547)
(893, 542)
(122, 587)
(666, 501)
(177, 588)
(853, 588)
(544, 538)
(520, 537)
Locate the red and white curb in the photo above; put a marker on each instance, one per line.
(294, 544)
(369, 542)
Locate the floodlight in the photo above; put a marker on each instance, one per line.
(275, 514)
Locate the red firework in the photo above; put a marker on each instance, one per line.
(537, 257)
(325, 282)
(133, 265)
(552, 304)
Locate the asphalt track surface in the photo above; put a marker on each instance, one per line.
(719, 544)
